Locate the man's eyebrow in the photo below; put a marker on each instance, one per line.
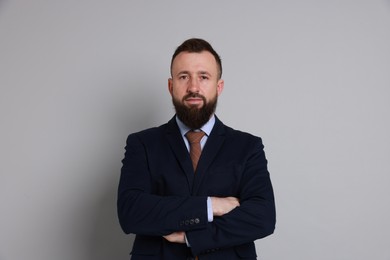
(204, 72)
(183, 72)
(186, 72)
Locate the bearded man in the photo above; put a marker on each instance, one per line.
(195, 188)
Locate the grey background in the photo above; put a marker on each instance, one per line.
(310, 77)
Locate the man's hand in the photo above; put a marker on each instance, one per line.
(221, 206)
(176, 237)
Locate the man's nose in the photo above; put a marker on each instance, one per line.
(193, 85)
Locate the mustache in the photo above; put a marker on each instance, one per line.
(194, 95)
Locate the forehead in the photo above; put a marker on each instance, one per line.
(195, 61)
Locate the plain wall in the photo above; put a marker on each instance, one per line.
(310, 77)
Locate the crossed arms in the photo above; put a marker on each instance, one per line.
(238, 219)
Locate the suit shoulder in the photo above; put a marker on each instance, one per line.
(149, 133)
(231, 132)
(243, 141)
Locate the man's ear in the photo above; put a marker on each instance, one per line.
(170, 86)
(220, 86)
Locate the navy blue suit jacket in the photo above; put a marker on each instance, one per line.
(159, 193)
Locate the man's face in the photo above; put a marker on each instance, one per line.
(195, 87)
(195, 73)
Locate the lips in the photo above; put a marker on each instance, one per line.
(194, 101)
(194, 97)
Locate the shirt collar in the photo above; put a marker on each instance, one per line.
(205, 128)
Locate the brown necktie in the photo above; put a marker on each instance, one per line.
(195, 149)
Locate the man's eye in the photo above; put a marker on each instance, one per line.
(204, 77)
(183, 77)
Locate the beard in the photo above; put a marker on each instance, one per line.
(192, 116)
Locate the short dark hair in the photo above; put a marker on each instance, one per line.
(198, 45)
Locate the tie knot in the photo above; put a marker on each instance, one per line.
(194, 137)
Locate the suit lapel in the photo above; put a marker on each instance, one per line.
(213, 145)
(178, 147)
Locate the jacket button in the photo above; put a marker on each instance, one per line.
(197, 220)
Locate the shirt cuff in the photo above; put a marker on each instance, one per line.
(187, 243)
(210, 216)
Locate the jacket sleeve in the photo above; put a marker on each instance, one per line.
(144, 213)
(255, 217)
